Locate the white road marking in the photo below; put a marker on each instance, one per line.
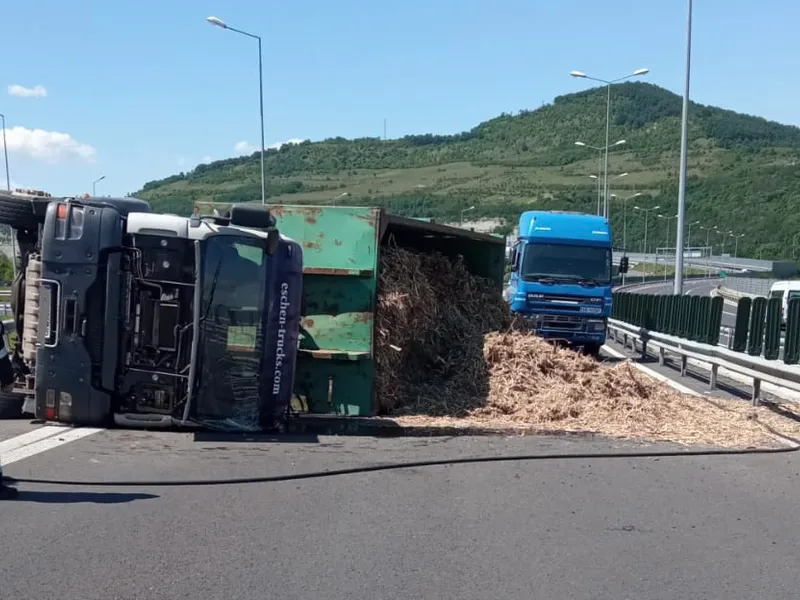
(28, 438)
(655, 375)
(40, 440)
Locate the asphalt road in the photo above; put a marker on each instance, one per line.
(596, 529)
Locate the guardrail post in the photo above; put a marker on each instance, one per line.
(791, 347)
(756, 391)
(712, 380)
(742, 324)
(758, 313)
(772, 331)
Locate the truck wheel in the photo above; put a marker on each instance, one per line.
(592, 349)
(11, 405)
(18, 212)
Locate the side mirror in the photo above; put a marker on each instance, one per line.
(512, 256)
(623, 265)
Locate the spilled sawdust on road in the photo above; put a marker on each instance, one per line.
(449, 354)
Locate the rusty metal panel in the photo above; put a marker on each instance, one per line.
(335, 366)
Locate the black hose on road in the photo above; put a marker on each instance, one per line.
(795, 445)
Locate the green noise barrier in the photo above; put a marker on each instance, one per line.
(742, 324)
(758, 314)
(791, 347)
(772, 329)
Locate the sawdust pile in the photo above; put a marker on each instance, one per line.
(449, 352)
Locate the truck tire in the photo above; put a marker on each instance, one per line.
(11, 405)
(123, 206)
(592, 350)
(18, 212)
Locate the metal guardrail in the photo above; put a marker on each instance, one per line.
(755, 367)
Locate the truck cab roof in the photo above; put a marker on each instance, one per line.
(564, 225)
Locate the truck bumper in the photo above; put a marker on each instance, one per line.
(568, 328)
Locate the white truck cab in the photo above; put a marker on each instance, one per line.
(785, 290)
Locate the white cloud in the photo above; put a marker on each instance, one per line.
(292, 141)
(37, 91)
(49, 146)
(205, 160)
(244, 147)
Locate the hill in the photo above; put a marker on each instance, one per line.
(743, 173)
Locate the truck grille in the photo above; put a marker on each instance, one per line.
(562, 322)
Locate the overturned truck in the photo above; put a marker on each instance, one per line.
(141, 319)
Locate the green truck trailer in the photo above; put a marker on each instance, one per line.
(342, 245)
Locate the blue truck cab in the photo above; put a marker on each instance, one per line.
(561, 276)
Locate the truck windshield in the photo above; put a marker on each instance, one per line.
(562, 262)
(233, 306)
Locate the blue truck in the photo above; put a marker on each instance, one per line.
(561, 276)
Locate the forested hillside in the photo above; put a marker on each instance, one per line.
(743, 169)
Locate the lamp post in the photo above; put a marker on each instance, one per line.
(600, 164)
(625, 216)
(725, 235)
(678, 285)
(220, 23)
(646, 212)
(689, 234)
(667, 219)
(608, 83)
(708, 231)
(625, 222)
(94, 185)
(736, 246)
(5, 153)
(462, 214)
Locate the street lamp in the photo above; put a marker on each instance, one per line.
(667, 219)
(464, 211)
(646, 212)
(625, 216)
(689, 234)
(5, 153)
(678, 285)
(608, 83)
(708, 231)
(736, 246)
(625, 222)
(219, 23)
(599, 164)
(725, 235)
(340, 196)
(94, 185)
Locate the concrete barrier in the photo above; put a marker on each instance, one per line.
(733, 295)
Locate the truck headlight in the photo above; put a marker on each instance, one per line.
(595, 326)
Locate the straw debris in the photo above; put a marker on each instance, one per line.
(449, 352)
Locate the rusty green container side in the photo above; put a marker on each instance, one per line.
(341, 250)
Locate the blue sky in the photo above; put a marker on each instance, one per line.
(141, 90)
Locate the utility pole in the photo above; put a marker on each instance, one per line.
(678, 286)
